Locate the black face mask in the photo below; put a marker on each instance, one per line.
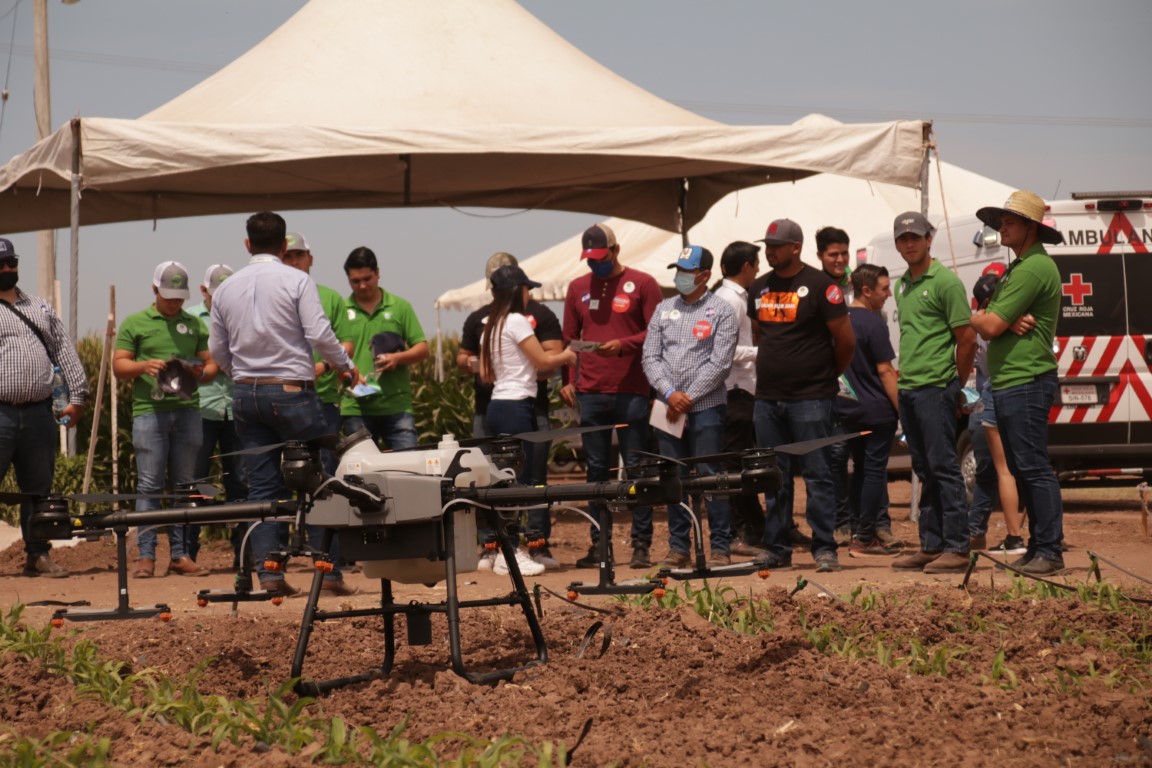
(8, 280)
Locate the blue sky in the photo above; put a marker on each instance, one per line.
(1048, 96)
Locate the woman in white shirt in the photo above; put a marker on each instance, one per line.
(510, 356)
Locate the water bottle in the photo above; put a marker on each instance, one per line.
(59, 395)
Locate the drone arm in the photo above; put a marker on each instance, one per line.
(632, 492)
(732, 483)
(56, 525)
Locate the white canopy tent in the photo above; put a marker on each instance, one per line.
(859, 207)
(425, 103)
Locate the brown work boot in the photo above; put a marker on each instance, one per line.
(42, 565)
(948, 562)
(676, 559)
(186, 566)
(915, 561)
(281, 586)
(718, 559)
(338, 588)
(145, 568)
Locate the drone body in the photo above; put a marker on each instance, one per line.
(401, 537)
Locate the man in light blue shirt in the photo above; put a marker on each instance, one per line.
(688, 353)
(266, 320)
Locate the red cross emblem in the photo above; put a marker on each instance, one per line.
(1076, 289)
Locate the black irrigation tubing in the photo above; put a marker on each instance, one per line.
(1103, 559)
(585, 606)
(974, 556)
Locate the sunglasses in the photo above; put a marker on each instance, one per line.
(10, 261)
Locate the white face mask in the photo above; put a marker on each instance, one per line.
(685, 282)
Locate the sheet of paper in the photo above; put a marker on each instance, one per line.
(659, 419)
(584, 346)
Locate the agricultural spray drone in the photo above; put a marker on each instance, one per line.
(412, 517)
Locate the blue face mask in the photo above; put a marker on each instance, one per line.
(685, 282)
(601, 267)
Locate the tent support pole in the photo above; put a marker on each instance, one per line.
(74, 246)
(407, 160)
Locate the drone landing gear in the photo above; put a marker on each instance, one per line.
(418, 618)
(243, 586)
(607, 568)
(121, 611)
(700, 568)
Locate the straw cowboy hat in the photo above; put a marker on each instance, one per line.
(1026, 205)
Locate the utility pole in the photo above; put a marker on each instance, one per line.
(42, 99)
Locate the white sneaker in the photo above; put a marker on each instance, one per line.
(544, 557)
(528, 566)
(486, 561)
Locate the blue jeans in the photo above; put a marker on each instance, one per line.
(868, 488)
(929, 418)
(266, 414)
(601, 409)
(703, 434)
(28, 442)
(510, 417)
(331, 413)
(740, 435)
(167, 445)
(789, 421)
(838, 458)
(539, 520)
(986, 490)
(396, 430)
(838, 454)
(1022, 417)
(219, 437)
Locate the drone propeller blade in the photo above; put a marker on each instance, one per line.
(545, 435)
(799, 449)
(207, 489)
(716, 458)
(328, 442)
(251, 451)
(538, 436)
(660, 457)
(110, 498)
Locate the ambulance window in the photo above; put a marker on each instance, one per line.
(1092, 300)
(1138, 267)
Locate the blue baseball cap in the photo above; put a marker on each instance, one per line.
(693, 257)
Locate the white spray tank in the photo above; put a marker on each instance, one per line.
(364, 456)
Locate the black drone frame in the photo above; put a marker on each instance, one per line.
(301, 466)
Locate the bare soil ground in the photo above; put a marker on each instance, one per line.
(660, 687)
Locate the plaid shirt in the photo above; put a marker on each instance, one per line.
(27, 376)
(689, 349)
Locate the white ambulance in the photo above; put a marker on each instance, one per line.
(1101, 423)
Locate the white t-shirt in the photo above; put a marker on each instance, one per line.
(515, 374)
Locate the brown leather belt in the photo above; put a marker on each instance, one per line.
(278, 382)
(22, 406)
